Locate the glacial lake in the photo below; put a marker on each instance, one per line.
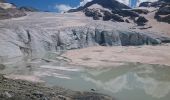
(132, 81)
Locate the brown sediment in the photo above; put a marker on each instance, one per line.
(115, 56)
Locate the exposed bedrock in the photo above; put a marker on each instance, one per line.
(36, 42)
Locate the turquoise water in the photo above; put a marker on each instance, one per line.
(128, 82)
(132, 81)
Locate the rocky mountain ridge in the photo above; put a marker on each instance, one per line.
(162, 13)
(8, 10)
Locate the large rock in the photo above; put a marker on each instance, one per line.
(95, 13)
(107, 16)
(164, 10)
(165, 18)
(141, 21)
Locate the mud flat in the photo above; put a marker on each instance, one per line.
(101, 56)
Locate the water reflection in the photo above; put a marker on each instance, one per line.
(142, 77)
(133, 81)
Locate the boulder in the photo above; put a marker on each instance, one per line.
(2, 66)
(107, 16)
(95, 13)
(141, 21)
(116, 17)
(164, 10)
(164, 18)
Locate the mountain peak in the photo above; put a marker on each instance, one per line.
(109, 4)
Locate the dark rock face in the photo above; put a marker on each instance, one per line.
(28, 9)
(15, 13)
(167, 1)
(96, 14)
(164, 10)
(107, 16)
(110, 4)
(141, 21)
(10, 12)
(116, 17)
(4, 14)
(116, 11)
(163, 13)
(145, 4)
(128, 13)
(165, 18)
(140, 11)
(152, 4)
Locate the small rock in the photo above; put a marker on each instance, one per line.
(93, 90)
(62, 97)
(127, 21)
(38, 94)
(2, 66)
(8, 95)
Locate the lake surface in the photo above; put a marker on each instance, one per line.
(132, 81)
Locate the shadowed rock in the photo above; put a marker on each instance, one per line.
(163, 13)
(2, 66)
(141, 21)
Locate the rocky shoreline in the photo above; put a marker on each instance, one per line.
(23, 90)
